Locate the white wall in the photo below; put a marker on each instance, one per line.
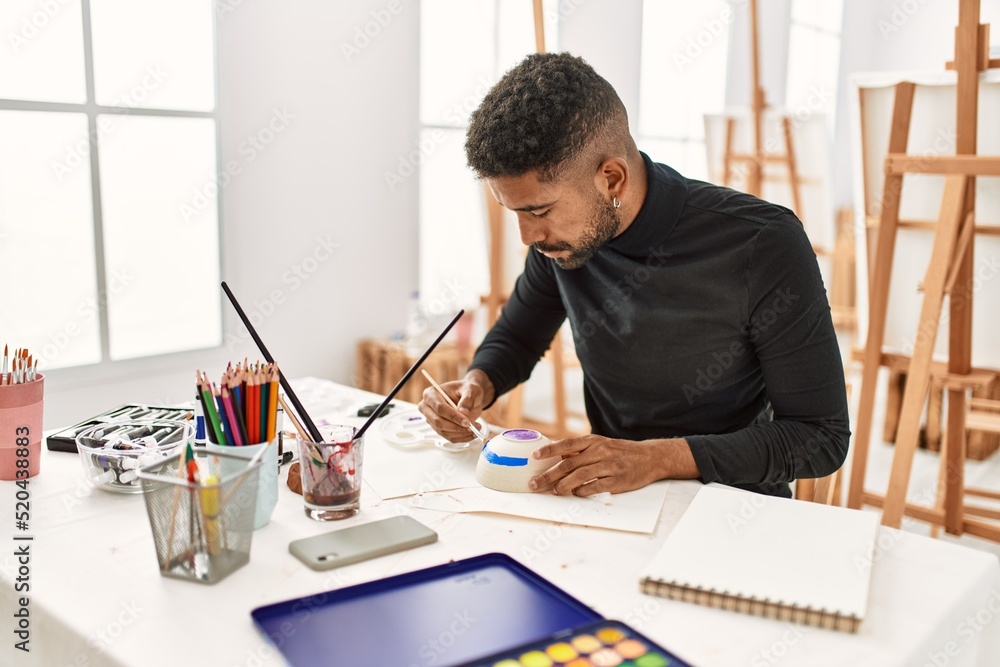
(883, 35)
(321, 177)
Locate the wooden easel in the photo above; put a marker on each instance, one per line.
(756, 160)
(949, 272)
(558, 355)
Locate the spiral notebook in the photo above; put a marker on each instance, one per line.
(785, 559)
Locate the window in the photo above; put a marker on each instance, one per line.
(109, 229)
(682, 77)
(491, 36)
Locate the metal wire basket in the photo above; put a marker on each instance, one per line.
(202, 531)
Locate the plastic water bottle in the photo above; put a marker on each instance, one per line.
(416, 326)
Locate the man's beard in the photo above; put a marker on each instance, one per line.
(602, 226)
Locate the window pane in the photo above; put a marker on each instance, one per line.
(453, 214)
(456, 36)
(683, 76)
(161, 238)
(154, 54)
(42, 58)
(47, 267)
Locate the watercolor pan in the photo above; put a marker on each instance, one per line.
(442, 616)
(598, 644)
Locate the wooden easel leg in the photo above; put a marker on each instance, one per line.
(918, 377)
(494, 218)
(727, 157)
(959, 361)
(935, 402)
(514, 411)
(559, 385)
(793, 169)
(893, 401)
(879, 294)
(939, 492)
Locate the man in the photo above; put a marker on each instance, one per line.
(698, 312)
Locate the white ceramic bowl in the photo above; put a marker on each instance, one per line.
(505, 462)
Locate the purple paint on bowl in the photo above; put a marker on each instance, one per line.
(522, 434)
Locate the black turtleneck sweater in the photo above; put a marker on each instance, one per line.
(705, 319)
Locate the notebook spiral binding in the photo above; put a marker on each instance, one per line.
(776, 610)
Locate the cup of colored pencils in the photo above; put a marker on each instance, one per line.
(21, 399)
(241, 418)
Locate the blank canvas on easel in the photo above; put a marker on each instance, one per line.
(932, 132)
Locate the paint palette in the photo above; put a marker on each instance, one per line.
(410, 430)
(599, 644)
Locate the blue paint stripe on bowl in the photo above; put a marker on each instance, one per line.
(496, 459)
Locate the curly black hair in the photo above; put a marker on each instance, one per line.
(541, 115)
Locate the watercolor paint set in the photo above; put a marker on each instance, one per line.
(600, 644)
(443, 615)
(453, 615)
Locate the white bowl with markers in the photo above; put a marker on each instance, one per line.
(112, 453)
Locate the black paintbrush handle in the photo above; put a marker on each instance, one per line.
(306, 419)
(408, 375)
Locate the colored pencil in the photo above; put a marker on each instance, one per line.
(227, 401)
(252, 410)
(240, 419)
(264, 405)
(210, 413)
(227, 427)
(272, 406)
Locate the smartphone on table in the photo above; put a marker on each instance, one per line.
(357, 543)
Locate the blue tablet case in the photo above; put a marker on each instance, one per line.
(440, 616)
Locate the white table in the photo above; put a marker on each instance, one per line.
(97, 597)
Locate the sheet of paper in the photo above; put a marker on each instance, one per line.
(635, 511)
(393, 471)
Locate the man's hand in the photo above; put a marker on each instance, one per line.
(594, 464)
(470, 394)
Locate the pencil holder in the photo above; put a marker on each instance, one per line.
(202, 531)
(267, 479)
(21, 428)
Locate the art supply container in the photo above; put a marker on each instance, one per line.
(267, 479)
(21, 428)
(112, 453)
(202, 531)
(331, 474)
